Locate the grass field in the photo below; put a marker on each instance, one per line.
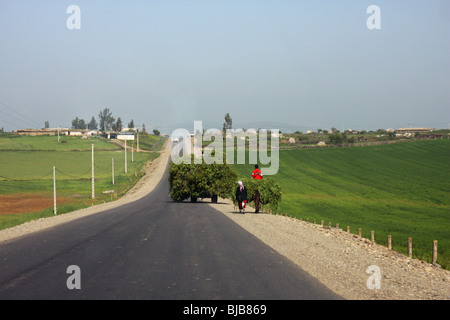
(26, 173)
(50, 143)
(401, 190)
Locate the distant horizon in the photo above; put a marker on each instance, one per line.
(282, 127)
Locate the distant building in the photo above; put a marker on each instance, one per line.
(125, 136)
(40, 132)
(413, 130)
(129, 130)
(54, 132)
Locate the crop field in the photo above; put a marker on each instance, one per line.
(26, 174)
(401, 189)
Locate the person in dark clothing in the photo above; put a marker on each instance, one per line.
(241, 196)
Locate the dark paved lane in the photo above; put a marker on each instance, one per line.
(152, 249)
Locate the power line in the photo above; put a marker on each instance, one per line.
(21, 115)
(9, 123)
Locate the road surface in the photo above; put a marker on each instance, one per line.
(153, 249)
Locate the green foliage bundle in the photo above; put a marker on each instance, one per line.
(201, 181)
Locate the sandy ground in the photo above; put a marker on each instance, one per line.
(352, 267)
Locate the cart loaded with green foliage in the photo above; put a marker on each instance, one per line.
(193, 181)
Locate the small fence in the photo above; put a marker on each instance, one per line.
(434, 253)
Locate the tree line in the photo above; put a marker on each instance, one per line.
(106, 122)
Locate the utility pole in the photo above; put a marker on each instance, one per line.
(54, 191)
(137, 134)
(58, 132)
(126, 156)
(93, 188)
(112, 170)
(132, 152)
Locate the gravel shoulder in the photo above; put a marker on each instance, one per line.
(340, 260)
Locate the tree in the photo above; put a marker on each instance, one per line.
(118, 125)
(81, 124)
(78, 123)
(228, 124)
(131, 124)
(46, 125)
(75, 123)
(93, 124)
(106, 120)
(337, 138)
(156, 132)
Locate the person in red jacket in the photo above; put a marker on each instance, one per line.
(256, 174)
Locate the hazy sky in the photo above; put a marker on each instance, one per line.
(283, 64)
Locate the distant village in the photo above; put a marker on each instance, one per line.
(127, 131)
(123, 134)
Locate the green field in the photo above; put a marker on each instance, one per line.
(26, 168)
(400, 189)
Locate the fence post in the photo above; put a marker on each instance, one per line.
(435, 243)
(348, 229)
(372, 236)
(410, 247)
(359, 232)
(389, 242)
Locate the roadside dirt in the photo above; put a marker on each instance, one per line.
(28, 202)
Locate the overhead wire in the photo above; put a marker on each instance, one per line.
(24, 118)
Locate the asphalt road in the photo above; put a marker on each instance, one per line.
(154, 249)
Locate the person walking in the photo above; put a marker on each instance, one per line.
(241, 197)
(256, 174)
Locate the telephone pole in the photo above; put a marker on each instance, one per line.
(54, 191)
(126, 156)
(112, 170)
(93, 188)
